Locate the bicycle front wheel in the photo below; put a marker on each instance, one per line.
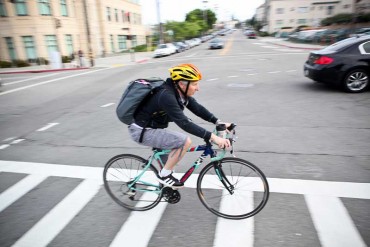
(130, 185)
(233, 189)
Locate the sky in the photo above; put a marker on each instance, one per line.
(176, 10)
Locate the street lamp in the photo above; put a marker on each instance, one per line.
(205, 12)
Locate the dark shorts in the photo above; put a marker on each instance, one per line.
(158, 138)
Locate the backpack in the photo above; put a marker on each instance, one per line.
(135, 94)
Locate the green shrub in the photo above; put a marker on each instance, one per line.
(66, 59)
(21, 63)
(5, 64)
(42, 61)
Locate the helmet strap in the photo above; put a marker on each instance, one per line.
(186, 90)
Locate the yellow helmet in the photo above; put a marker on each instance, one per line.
(186, 71)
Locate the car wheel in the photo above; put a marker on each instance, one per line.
(356, 81)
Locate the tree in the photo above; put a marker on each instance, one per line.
(208, 17)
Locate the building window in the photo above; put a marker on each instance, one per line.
(44, 7)
(122, 42)
(330, 10)
(29, 46)
(116, 14)
(346, 6)
(279, 11)
(301, 21)
(112, 43)
(69, 43)
(11, 49)
(51, 43)
(279, 22)
(2, 8)
(63, 7)
(128, 16)
(108, 13)
(133, 40)
(21, 7)
(302, 9)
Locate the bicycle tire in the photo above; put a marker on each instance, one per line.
(250, 192)
(120, 170)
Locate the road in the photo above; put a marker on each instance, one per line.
(57, 130)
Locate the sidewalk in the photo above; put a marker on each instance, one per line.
(141, 57)
(116, 60)
(289, 44)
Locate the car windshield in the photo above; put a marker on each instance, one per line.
(162, 46)
(216, 41)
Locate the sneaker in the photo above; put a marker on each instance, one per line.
(170, 181)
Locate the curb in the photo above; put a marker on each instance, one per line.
(296, 47)
(40, 71)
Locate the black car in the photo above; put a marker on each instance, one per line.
(345, 64)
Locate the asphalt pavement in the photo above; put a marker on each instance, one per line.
(139, 57)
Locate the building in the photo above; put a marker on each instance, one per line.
(33, 29)
(276, 14)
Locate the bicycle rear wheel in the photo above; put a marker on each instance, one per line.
(249, 190)
(119, 175)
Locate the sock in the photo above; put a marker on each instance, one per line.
(164, 172)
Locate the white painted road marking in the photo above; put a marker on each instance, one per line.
(106, 105)
(52, 223)
(46, 82)
(29, 79)
(19, 189)
(48, 126)
(332, 222)
(322, 199)
(130, 235)
(278, 185)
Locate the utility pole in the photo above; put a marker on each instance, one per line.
(159, 23)
(88, 35)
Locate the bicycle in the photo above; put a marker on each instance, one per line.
(229, 187)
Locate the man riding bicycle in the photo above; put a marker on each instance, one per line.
(167, 105)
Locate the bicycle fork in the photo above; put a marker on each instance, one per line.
(223, 178)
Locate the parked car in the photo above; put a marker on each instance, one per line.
(345, 64)
(216, 44)
(164, 50)
(179, 47)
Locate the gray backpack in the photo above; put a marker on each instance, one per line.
(136, 93)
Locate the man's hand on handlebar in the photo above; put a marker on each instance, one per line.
(221, 142)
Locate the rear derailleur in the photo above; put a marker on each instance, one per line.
(170, 195)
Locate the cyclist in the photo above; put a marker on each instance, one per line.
(167, 105)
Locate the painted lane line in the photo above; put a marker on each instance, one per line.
(29, 79)
(274, 72)
(4, 146)
(132, 232)
(106, 105)
(277, 185)
(289, 71)
(15, 192)
(17, 141)
(48, 126)
(241, 232)
(233, 76)
(214, 79)
(9, 139)
(49, 81)
(252, 74)
(44, 231)
(333, 222)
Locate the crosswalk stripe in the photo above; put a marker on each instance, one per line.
(54, 221)
(239, 231)
(19, 189)
(279, 185)
(332, 222)
(139, 227)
